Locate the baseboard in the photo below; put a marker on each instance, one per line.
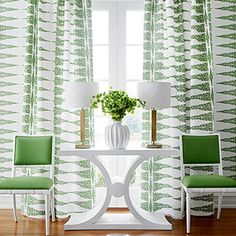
(6, 201)
(229, 201)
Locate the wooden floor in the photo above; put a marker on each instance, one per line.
(201, 226)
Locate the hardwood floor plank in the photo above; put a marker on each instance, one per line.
(201, 226)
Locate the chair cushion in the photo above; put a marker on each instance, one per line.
(208, 181)
(26, 182)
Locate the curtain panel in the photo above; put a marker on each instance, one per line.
(58, 49)
(177, 48)
(224, 45)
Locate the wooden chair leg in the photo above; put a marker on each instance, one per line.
(220, 198)
(47, 207)
(52, 206)
(188, 213)
(14, 207)
(182, 202)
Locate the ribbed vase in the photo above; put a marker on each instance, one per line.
(117, 136)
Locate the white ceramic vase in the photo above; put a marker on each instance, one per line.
(117, 136)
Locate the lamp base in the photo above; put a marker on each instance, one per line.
(154, 145)
(82, 146)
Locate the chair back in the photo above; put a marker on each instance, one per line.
(33, 150)
(200, 149)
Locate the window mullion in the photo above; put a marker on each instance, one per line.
(121, 46)
(113, 21)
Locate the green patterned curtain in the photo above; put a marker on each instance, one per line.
(224, 47)
(58, 49)
(12, 50)
(177, 48)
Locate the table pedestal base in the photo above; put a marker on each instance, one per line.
(118, 221)
(136, 218)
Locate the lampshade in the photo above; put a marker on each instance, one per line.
(79, 94)
(156, 94)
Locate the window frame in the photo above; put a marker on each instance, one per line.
(117, 37)
(117, 63)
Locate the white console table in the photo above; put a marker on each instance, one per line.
(136, 218)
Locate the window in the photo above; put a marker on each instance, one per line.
(118, 57)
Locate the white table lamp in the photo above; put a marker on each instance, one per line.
(79, 95)
(157, 96)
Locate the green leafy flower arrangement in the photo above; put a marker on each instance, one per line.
(116, 103)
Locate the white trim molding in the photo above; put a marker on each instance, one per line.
(6, 201)
(229, 201)
(117, 0)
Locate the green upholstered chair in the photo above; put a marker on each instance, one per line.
(32, 152)
(202, 150)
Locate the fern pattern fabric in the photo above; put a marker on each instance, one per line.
(58, 49)
(52, 57)
(12, 43)
(177, 48)
(224, 48)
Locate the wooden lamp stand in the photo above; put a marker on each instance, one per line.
(82, 144)
(154, 130)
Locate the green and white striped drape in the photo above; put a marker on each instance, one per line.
(224, 48)
(58, 49)
(183, 50)
(177, 48)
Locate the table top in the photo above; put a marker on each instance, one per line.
(129, 151)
